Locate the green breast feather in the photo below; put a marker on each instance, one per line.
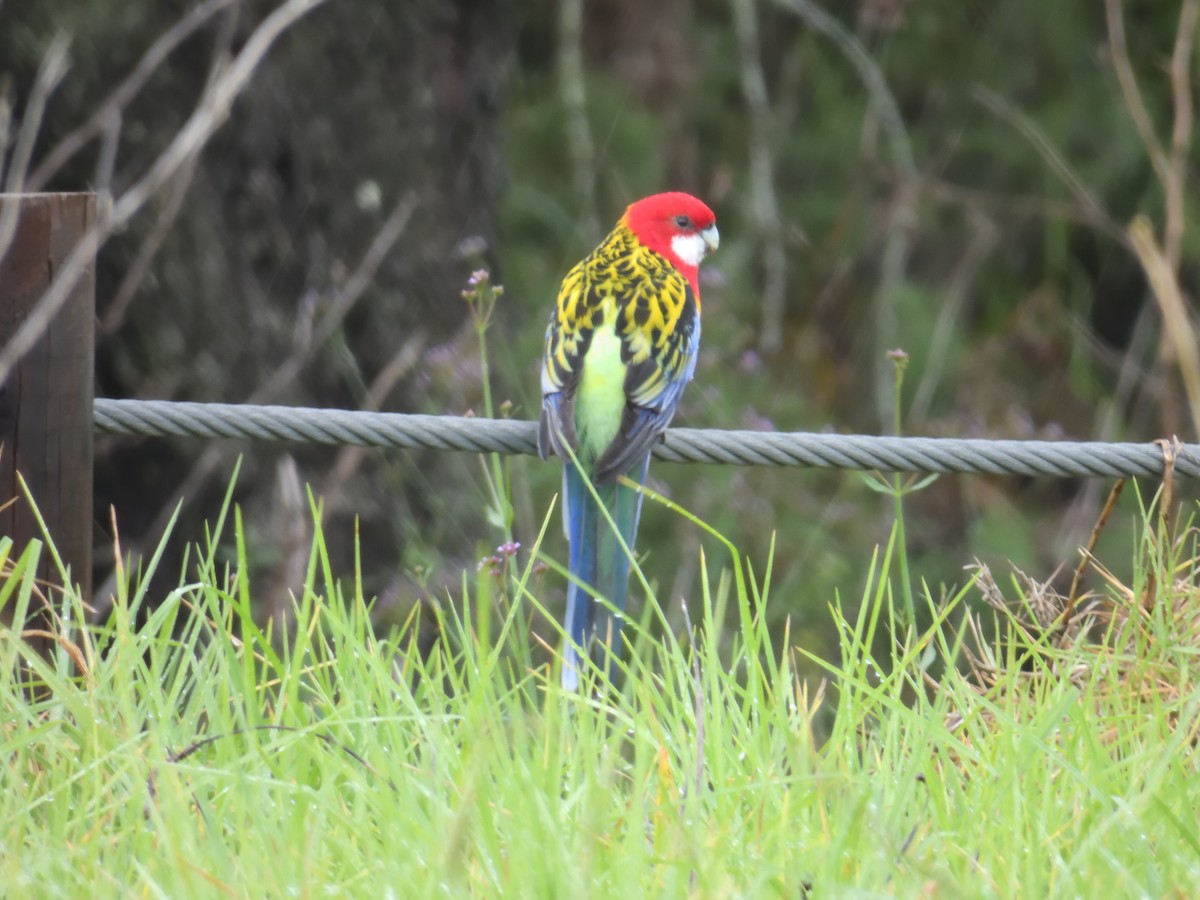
(600, 401)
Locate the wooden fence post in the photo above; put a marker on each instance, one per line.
(46, 402)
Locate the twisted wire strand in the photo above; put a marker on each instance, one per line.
(1062, 459)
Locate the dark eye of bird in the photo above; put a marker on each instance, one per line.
(683, 221)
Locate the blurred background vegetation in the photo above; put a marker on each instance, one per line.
(951, 179)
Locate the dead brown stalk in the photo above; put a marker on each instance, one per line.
(1177, 347)
(1077, 578)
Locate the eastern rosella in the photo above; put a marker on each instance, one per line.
(620, 348)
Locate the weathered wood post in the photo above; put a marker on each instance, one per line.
(46, 402)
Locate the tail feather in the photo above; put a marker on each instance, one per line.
(597, 559)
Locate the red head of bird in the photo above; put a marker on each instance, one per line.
(677, 226)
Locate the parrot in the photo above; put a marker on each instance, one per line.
(620, 348)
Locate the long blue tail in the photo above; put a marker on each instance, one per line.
(597, 559)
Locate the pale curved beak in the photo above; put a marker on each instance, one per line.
(712, 238)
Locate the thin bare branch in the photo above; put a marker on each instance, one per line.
(286, 372)
(170, 208)
(114, 316)
(870, 73)
(765, 206)
(1161, 262)
(1181, 133)
(106, 162)
(1134, 102)
(124, 92)
(208, 116)
(1177, 324)
(346, 298)
(574, 99)
(291, 529)
(6, 112)
(5, 122)
(350, 458)
(54, 66)
(1033, 133)
(902, 212)
(984, 237)
(1024, 205)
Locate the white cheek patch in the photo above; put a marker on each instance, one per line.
(689, 247)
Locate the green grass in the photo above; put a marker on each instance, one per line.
(185, 752)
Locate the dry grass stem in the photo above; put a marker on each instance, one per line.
(1114, 648)
(1077, 577)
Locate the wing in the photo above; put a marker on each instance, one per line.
(660, 327)
(567, 338)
